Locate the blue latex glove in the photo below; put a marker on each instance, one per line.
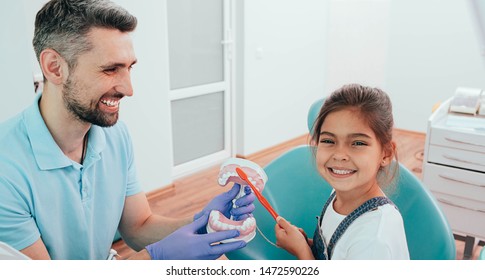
(185, 244)
(223, 203)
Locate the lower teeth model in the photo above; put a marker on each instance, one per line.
(227, 174)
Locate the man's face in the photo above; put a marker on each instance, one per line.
(94, 89)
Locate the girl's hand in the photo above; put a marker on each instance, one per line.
(309, 241)
(292, 239)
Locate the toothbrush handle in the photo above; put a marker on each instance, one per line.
(266, 204)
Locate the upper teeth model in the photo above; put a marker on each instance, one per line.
(227, 174)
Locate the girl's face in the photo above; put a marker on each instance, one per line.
(348, 153)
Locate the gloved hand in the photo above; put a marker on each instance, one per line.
(185, 244)
(223, 203)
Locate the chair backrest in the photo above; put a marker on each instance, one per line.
(428, 233)
(298, 192)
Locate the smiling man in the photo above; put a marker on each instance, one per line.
(67, 175)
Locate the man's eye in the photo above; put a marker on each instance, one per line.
(109, 70)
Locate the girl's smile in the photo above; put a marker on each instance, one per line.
(341, 172)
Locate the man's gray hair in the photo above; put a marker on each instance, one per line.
(63, 25)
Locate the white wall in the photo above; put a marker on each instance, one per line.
(357, 42)
(283, 69)
(433, 49)
(417, 51)
(16, 55)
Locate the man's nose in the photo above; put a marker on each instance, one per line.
(124, 85)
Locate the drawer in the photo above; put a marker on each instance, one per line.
(462, 219)
(455, 157)
(465, 140)
(459, 183)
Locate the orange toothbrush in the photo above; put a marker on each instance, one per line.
(258, 194)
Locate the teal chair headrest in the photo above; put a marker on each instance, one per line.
(313, 113)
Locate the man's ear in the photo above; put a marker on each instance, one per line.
(53, 66)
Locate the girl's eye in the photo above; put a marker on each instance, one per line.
(359, 143)
(326, 141)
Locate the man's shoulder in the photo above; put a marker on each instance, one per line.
(12, 131)
(11, 123)
(14, 154)
(15, 144)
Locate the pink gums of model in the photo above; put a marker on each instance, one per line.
(227, 174)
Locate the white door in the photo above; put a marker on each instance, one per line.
(200, 53)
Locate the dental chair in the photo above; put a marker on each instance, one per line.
(297, 192)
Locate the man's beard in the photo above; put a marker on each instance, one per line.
(93, 115)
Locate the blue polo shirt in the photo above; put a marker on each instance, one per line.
(74, 208)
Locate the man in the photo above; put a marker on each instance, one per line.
(67, 174)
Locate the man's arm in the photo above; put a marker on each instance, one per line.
(36, 251)
(140, 227)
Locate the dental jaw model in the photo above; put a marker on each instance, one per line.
(227, 174)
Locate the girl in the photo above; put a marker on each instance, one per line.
(353, 134)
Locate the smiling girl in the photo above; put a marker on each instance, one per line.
(354, 154)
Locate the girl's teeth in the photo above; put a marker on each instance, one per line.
(341, 172)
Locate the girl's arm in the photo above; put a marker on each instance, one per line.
(292, 239)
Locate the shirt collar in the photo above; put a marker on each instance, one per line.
(96, 144)
(47, 153)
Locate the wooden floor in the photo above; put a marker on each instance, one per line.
(190, 194)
